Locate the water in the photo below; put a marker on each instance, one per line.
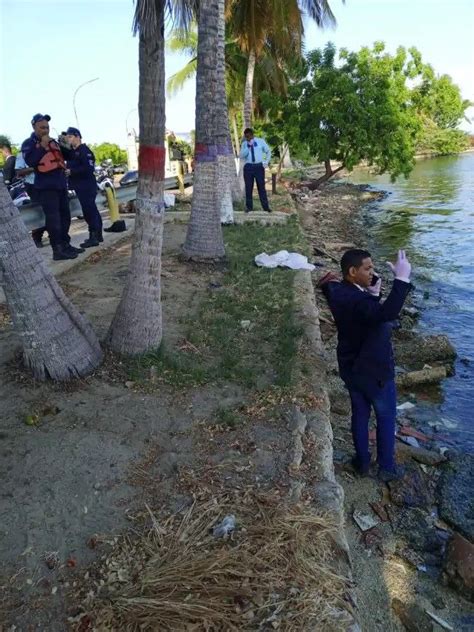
(431, 215)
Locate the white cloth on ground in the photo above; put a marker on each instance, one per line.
(284, 259)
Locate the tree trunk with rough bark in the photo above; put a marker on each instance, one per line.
(204, 240)
(137, 324)
(248, 95)
(227, 175)
(330, 172)
(58, 343)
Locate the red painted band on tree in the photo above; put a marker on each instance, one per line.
(151, 161)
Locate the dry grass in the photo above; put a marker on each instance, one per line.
(274, 572)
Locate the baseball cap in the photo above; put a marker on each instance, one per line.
(40, 117)
(73, 131)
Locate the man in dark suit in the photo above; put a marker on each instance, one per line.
(364, 352)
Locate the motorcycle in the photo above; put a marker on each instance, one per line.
(18, 193)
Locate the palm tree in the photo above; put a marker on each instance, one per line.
(204, 240)
(273, 74)
(255, 22)
(58, 343)
(137, 324)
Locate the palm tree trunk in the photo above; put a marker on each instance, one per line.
(137, 324)
(225, 156)
(58, 343)
(248, 96)
(204, 240)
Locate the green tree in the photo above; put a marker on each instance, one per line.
(357, 111)
(112, 151)
(439, 99)
(441, 109)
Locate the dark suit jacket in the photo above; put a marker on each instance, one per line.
(364, 329)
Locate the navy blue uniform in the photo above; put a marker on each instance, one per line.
(51, 187)
(81, 163)
(366, 363)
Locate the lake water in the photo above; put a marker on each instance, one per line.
(431, 215)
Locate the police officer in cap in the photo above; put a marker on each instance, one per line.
(44, 154)
(81, 168)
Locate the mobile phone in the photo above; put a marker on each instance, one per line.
(375, 278)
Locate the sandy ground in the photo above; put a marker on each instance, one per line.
(65, 479)
(102, 448)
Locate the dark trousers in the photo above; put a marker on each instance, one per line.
(255, 172)
(86, 196)
(55, 206)
(367, 393)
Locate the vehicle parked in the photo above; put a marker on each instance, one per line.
(131, 177)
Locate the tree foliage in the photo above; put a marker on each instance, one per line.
(356, 111)
(109, 151)
(368, 106)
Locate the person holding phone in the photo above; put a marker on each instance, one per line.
(365, 355)
(257, 155)
(44, 155)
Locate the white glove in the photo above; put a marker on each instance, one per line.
(401, 268)
(374, 290)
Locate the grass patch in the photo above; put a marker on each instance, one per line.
(227, 418)
(174, 368)
(244, 330)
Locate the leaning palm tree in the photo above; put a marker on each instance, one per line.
(254, 22)
(204, 240)
(58, 343)
(137, 324)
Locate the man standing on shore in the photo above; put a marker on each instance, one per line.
(365, 355)
(257, 155)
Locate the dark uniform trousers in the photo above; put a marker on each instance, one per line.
(255, 172)
(86, 195)
(55, 206)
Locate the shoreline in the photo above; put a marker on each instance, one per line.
(407, 549)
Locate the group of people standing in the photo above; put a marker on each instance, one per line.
(47, 165)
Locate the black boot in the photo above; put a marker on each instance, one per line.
(117, 227)
(60, 253)
(37, 237)
(69, 248)
(100, 237)
(92, 241)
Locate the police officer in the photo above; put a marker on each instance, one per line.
(43, 153)
(81, 167)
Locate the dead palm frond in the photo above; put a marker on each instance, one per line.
(277, 570)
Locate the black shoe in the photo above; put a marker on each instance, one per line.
(100, 237)
(268, 210)
(360, 468)
(92, 242)
(37, 237)
(70, 248)
(61, 253)
(396, 474)
(117, 227)
(248, 210)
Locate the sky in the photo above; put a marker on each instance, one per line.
(48, 48)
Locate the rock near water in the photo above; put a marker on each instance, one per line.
(455, 494)
(459, 565)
